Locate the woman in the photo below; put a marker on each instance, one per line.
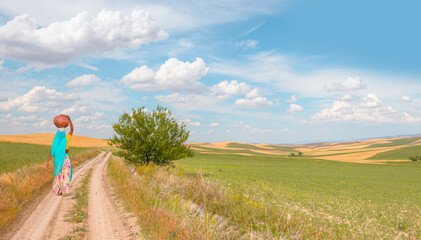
(62, 166)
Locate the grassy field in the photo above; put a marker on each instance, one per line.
(14, 156)
(236, 192)
(334, 199)
(400, 153)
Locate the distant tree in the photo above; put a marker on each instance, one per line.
(295, 154)
(150, 137)
(415, 158)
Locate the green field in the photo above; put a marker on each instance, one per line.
(400, 153)
(16, 155)
(334, 199)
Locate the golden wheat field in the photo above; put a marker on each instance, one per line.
(356, 151)
(47, 139)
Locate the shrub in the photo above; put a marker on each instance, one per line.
(150, 137)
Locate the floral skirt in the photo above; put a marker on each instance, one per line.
(61, 183)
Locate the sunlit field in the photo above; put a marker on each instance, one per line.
(235, 190)
(327, 198)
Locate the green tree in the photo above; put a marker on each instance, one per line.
(150, 137)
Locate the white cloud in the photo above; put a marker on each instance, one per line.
(29, 118)
(76, 110)
(240, 125)
(190, 122)
(254, 93)
(261, 131)
(294, 108)
(369, 109)
(87, 79)
(1, 66)
(258, 102)
(253, 130)
(246, 44)
(227, 89)
(350, 84)
(292, 99)
(173, 75)
(22, 40)
(175, 15)
(210, 131)
(405, 99)
(38, 99)
(346, 98)
(90, 118)
(213, 124)
(44, 123)
(371, 101)
(176, 98)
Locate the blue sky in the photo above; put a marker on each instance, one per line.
(248, 71)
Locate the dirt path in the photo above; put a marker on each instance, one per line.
(105, 218)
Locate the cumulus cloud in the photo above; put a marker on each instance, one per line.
(87, 79)
(254, 93)
(173, 75)
(253, 98)
(294, 108)
(405, 99)
(292, 99)
(246, 44)
(350, 84)
(370, 108)
(258, 102)
(227, 89)
(38, 99)
(213, 124)
(176, 98)
(346, 98)
(23, 40)
(371, 101)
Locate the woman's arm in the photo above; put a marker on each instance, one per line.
(71, 126)
(70, 123)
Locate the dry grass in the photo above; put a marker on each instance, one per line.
(47, 139)
(20, 187)
(163, 212)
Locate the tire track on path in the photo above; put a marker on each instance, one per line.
(104, 218)
(45, 215)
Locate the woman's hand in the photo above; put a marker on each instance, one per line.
(67, 116)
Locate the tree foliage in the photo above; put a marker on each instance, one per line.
(415, 158)
(150, 137)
